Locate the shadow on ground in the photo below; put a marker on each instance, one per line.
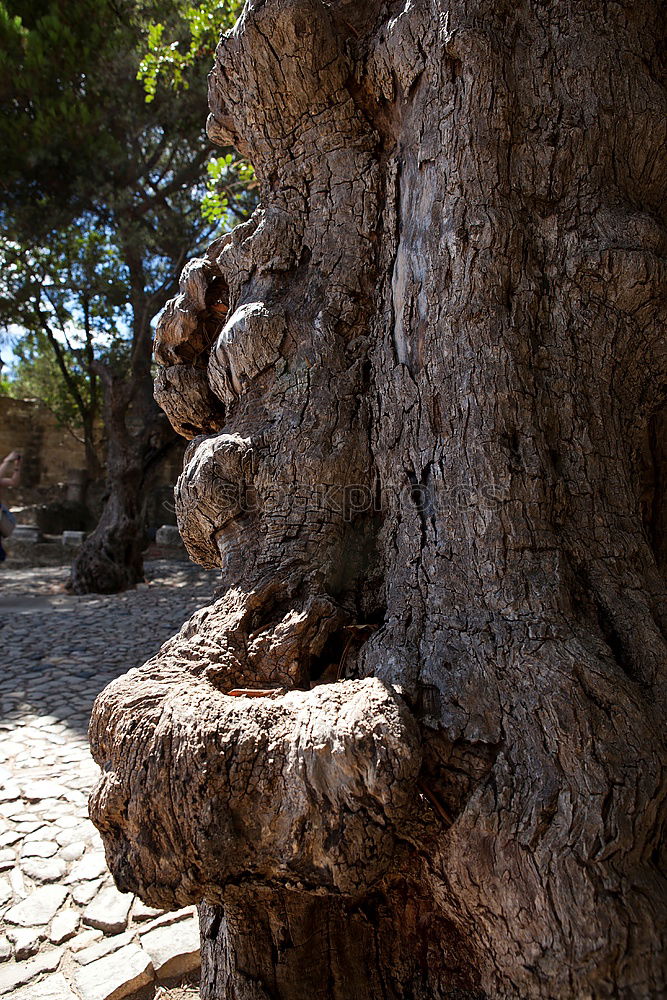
(60, 650)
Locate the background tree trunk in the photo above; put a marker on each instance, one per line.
(450, 310)
(138, 437)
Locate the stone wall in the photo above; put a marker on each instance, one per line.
(53, 460)
(49, 450)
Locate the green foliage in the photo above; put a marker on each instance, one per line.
(48, 52)
(75, 127)
(34, 377)
(69, 302)
(77, 281)
(172, 52)
(229, 186)
(101, 194)
(194, 34)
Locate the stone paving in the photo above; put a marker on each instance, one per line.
(66, 933)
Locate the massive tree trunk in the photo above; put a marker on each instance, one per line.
(428, 453)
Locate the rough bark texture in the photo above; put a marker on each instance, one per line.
(425, 387)
(327, 811)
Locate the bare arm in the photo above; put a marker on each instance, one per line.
(15, 477)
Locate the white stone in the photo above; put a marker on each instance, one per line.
(21, 973)
(5, 891)
(64, 926)
(171, 917)
(5, 949)
(72, 852)
(104, 947)
(114, 976)
(73, 537)
(26, 941)
(69, 835)
(54, 987)
(92, 865)
(84, 939)
(18, 882)
(44, 869)
(38, 908)
(141, 911)
(26, 533)
(83, 893)
(39, 833)
(174, 949)
(10, 792)
(109, 910)
(67, 821)
(35, 791)
(168, 534)
(39, 849)
(31, 828)
(24, 816)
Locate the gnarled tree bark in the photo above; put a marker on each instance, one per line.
(425, 387)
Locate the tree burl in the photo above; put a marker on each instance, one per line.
(416, 748)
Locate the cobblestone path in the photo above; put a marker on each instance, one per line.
(66, 932)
